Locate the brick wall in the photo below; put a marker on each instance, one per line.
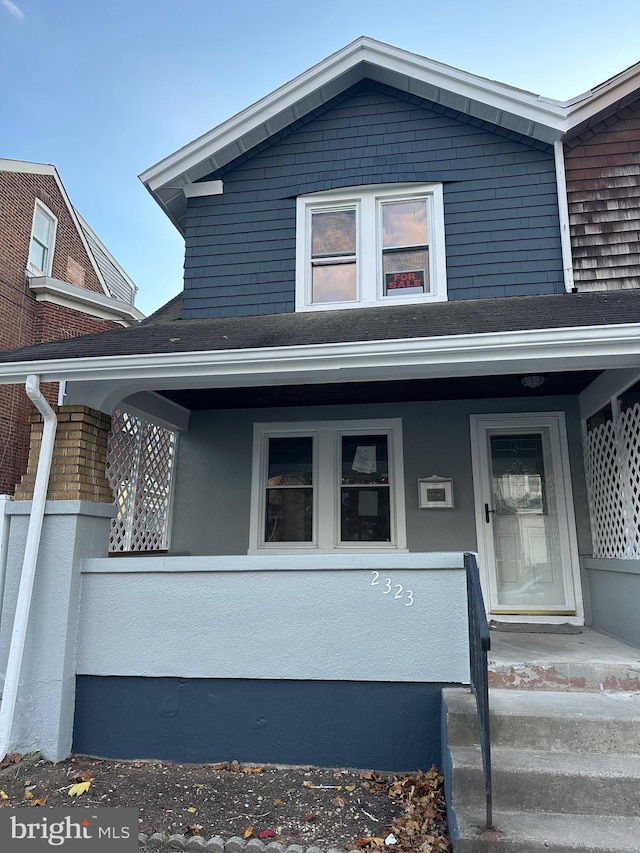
(603, 188)
(23, 321)
(78, 468)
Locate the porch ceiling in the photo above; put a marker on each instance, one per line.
(458, 388)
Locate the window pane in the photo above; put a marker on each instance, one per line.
(38, 255)
(289, 515)
(406, 272)
(333, 232)
(334, 283)
(404, 223)
(290, 461)
(42, 226)
(365, 514)
(365, 459)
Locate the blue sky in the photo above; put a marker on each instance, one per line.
(103, 89)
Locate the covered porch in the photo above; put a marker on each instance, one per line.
(231, 634)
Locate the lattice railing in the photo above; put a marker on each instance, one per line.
(140, 467)
(612, 462)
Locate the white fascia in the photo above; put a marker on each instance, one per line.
(575, 348)
(603, 97)
(529, 106)
(59, 292)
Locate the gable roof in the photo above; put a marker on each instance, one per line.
(505, 106)
(592, 107)
(114, 280)
(517, 110)
(118, 283)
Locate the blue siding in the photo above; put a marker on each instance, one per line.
(501, 212)
(382, 725)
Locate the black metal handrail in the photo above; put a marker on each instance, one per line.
(479, 645)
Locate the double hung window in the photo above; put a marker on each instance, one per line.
(370, 246)
(43, 237)
(331, 485)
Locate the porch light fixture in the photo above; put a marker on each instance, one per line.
(533, 381)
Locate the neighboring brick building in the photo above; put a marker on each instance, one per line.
(57, 280)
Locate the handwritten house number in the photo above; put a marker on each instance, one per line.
(388, 588)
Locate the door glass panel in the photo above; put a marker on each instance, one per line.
(289, 490)
(525, 521)
(365, 514)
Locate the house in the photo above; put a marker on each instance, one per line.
(382, 358)
(57, 280)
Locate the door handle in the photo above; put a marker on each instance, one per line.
(487, 513)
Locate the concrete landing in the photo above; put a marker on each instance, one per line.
(588, 661)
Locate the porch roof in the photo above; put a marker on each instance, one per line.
(166, 332)
(143, 367)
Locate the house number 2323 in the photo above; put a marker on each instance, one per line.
(388, 587)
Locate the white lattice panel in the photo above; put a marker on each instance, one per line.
(604, 485)
(629, 440)
(140, 461)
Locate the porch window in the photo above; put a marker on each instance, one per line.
(335, 485)
(43, 237)
(366, 246)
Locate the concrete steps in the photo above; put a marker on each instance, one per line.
(566, 771)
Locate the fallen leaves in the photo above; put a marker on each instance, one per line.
(247, 833)
(10, 758)
(236, 767)
(78, 788)
(267, 833)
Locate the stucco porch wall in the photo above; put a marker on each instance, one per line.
(614, 589)
(213, 475)
(310, 617)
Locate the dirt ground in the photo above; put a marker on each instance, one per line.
(353, 810)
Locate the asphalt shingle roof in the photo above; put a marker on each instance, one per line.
(162, 335)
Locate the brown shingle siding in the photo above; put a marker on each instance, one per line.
(603, 187)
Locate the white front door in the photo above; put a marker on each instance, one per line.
(524, 507)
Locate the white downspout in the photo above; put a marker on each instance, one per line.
(563, 211)
(4, 543)
(32, 546)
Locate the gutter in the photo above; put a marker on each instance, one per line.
(563, 212)
(32, 546)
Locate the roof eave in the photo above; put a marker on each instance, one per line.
(592, 106)
(520, 111)
(105, 380)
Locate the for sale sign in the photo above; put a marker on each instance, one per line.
(396, 283)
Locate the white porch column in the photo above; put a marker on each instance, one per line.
(71, 531)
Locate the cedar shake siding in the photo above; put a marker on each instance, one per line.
(603, 188)
(500, 201)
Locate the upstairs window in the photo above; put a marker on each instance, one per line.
(43, 238)
(328, 486)
(365, 246)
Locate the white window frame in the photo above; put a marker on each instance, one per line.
(50, 249)
(326, 485)
(368, 201)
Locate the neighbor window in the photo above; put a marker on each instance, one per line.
(370, 246)
(43, 237)
(331, 485)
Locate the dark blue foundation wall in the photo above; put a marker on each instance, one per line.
(377, 725)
